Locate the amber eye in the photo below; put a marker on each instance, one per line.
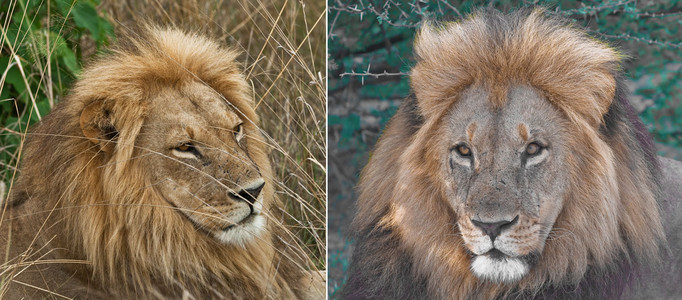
(533, 149)
(186, 147)
(463, 150)
(238, 132)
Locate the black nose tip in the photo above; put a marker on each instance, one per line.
(494, 229)
(250, 194)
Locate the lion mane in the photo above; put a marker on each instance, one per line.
(408, 246)
(85, 217)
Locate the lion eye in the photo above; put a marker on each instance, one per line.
(186, 147)
(463, 150)
(238, 132)
(533, 149)
(186, 150)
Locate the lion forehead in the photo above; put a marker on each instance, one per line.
(194, 104)
(527, 112)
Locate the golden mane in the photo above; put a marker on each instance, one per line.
(610, 221)
(104, 202)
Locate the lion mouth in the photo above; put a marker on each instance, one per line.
(255, 208)
(247, 220)
(496, 254)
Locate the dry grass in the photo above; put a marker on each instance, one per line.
(284, 54)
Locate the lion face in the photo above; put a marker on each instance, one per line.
(199, 147)
(505, 169)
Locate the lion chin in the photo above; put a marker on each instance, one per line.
(240, 234)
(497, 267)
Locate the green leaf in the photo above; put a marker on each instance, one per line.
(15, 80)
(44, 106)
(85, 16)
(65, 54)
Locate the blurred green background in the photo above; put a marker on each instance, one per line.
(370, 55)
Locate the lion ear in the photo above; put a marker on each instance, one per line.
(97, 126)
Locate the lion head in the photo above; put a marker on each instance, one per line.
(157, 176)
(202, 150)
(518, 167)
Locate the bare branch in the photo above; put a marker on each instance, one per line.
(628, 37)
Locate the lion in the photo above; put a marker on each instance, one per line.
(152, 180)
(517, 169)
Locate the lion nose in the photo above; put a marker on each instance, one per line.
(494, 229)
(250, 191)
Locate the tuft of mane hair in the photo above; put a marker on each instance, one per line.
(612, 205)
(576, 71)
(106, 233)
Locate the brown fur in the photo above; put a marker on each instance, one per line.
(88, 214)
(409, 243)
